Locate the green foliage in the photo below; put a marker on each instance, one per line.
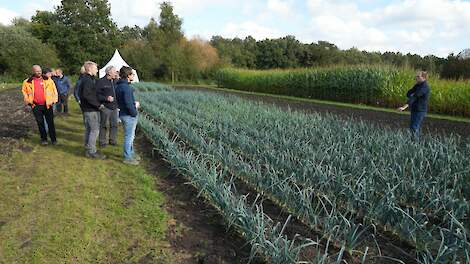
(19, 50)
(379, 86)
(266, 236)
(287, 52)
(80, 30)
(140, 55)
(342, 178)
(456, 68)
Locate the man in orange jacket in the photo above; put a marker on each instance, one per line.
(40, 94)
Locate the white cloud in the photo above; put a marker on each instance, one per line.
(250, 28)
(6, 16)
(281, 7)
(139, 12)
(421, 26)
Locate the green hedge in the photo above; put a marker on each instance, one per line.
(378, 86)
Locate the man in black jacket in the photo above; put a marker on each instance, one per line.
(109, 114)
(91, 107)
(418, 99)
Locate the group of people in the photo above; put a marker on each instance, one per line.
(102, 101)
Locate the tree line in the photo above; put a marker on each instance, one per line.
(76, 31)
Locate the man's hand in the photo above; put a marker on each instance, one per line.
(403, 108)
(102, 107)
(27, 108)
(110, 99)
(137, 105)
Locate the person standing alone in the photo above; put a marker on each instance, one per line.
(109, 114)
(128, 113)
(90, 106)
(418, 100)
(62, 84)
(40, 94)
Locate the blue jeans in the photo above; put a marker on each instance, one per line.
(129, 123)
(415, 123)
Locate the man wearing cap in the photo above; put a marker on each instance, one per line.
(39, 92)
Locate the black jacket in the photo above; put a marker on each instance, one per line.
(88, 98)
(105, 88)
(418, 97)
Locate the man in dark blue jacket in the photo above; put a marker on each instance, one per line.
(418, 100)
(128, 113)
(62, 84)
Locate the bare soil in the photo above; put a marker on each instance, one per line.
(16, 121)
(197, 233)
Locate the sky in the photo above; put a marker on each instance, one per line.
(424, 27)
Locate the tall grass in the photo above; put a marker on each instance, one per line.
(372, 85)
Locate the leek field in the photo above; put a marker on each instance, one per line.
(364, 194)
(377, 86)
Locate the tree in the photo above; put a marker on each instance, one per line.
(16, 58)
(170, 24)
(131, 33)
(140, 55)
(166, 38)
(43, 25)
(201, 58)
(80, 30)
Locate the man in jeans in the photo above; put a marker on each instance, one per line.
(62, 84)
(128, 113)
(418, 99)
(91, 107)
(109, 114)
(40, 94)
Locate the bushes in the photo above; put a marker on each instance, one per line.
(379, 86)
(19, 50)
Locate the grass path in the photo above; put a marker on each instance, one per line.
(56, 206)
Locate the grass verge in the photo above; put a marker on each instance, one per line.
(56, 206)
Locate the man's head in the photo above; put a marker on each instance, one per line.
(47, 72)
(421, 76)
(91, 68)
(126, 73)
(59, 72)
(111, 73)
(36, 70)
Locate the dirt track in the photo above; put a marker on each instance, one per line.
(430, 125)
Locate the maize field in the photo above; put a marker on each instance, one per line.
(376, 86)
(364, 189)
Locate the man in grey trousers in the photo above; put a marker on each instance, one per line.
(105, 89)
(91, 107)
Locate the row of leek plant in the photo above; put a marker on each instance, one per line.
(199, 121)
(266, 237)
(310, 210)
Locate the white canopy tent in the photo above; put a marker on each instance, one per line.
(118, 62)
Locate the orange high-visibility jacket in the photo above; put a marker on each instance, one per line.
(50, 92)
